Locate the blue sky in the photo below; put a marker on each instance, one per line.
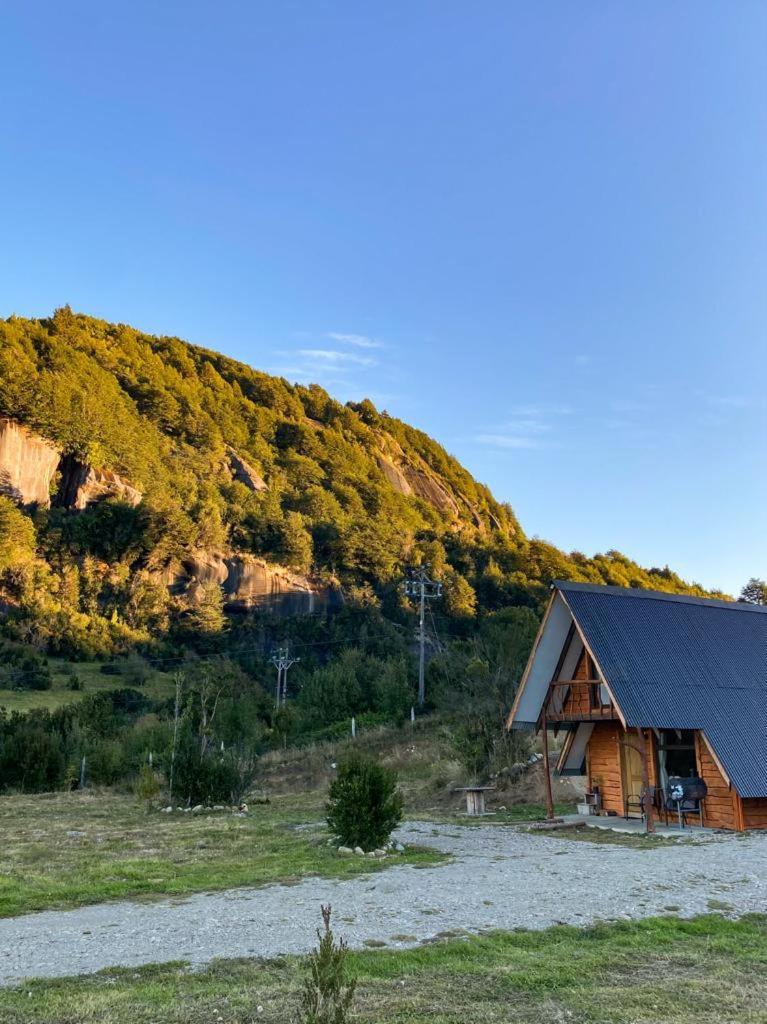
(536, 230)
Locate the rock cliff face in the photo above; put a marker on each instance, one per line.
(82, 485)
(250, 583)
(244, 472)
(412, 476)
(27, 464)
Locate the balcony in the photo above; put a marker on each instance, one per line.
(579, 700)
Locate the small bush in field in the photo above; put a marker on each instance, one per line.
(364, 805)
(327, 996)
(147, 786)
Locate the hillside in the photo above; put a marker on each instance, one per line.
(144, 475)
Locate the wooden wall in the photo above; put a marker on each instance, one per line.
(722, 806)
(603, 760)
(577, 700)
(755, 813)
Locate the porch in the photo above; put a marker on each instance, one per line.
(635, 826)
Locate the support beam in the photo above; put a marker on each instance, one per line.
(647, 803)
(547, 765)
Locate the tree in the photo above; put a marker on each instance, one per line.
(206, 613)
(754, 592)
(364, 805)
(17, 539)
(474, 684)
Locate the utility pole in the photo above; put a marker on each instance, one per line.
(282, 661)
(419, 586)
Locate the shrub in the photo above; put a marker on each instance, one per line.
(364, 805)
(327, 996)
(147, 786)
(22, 668)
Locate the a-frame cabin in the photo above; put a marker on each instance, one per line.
(649, 686)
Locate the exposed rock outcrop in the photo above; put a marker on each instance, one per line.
(82, 485)
(410, 479)
(28, 464)
(394, 475)
(250, 583)
(244, 472)
(411, 475)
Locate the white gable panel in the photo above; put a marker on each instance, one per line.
(544, 664)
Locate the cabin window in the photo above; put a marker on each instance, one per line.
(676, 754)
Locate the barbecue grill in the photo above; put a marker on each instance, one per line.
(685, 794)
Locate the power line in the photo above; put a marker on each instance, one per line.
(419, 586)
(282, 661)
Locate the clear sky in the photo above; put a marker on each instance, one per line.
(537, 230)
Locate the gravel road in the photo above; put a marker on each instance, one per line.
(499, 878)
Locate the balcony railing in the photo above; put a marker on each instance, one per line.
(578, 700)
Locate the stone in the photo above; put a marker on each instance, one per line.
(27, 464)
(83, 485)
(359, 851)
(198, 809)
(248, 582)
(346, 851)
(371, 853)
(399, 847)
(244, 472)
(167, 810)
(218, 807)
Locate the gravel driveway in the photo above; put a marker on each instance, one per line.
(500, 878)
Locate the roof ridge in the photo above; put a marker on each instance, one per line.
(658, 595)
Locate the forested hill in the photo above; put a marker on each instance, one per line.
(142, 474)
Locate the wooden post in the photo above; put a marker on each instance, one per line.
(647, 804)
(547, 766)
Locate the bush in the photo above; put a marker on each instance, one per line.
(364, 805)
(327, 996)
(22, 668)
(147, 787)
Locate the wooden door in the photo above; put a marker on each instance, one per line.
(631, 761)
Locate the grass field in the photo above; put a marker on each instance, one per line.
(157, 685)
(660, 971)
(69, 849)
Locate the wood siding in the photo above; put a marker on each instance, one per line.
(577, 700)
(755, 813)
(603, 759)
(722, 806)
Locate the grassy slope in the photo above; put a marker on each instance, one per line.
(706, 971)
(69, 849)
(158, 685)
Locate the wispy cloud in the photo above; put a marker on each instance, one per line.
(541, 410)
(359, 340)
(530, 426)
(345, 368)
(326, 355)
(628, 405)
(729, 401)
(509, 441)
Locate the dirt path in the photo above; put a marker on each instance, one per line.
(500, 878)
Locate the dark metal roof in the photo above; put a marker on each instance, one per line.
(675, 662)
